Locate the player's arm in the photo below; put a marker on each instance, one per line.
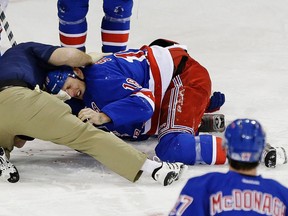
(136, 108)
(127, 111)
(74, 57)
(70, 56)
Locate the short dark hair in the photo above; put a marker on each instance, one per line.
(239, 165)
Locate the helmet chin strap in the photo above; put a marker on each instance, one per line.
(77, 77)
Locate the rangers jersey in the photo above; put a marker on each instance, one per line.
(129, 86)
(231, 193)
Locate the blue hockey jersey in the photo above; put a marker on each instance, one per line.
(231, 194)
(123, 87)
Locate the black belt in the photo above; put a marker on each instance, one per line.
(5, 84)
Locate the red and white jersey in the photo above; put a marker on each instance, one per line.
(161, 72)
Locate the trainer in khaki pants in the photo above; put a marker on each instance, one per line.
(55, 123)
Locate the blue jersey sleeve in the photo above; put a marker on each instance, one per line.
(128, 111)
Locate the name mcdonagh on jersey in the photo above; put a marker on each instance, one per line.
(247, 200)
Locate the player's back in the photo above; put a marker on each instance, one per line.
(27, 62)
(233, 194)
(237, 194)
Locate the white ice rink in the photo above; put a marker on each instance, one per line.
(243, 44)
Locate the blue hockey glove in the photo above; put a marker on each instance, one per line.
(216, 101)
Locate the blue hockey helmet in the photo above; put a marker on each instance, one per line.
(55, 80)
(244, 140)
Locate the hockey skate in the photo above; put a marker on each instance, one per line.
(8, 171)
(212, 123)
(168, 172)
(273, 156)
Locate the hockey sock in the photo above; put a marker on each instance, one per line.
(211, 151)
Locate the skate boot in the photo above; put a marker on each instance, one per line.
(168, 172)
(8, 171)
(212, 123)
(273, 156)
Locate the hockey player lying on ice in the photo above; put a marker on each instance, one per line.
(157, 89)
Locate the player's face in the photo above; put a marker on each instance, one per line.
(74, 87)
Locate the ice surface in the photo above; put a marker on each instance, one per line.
(243, 44)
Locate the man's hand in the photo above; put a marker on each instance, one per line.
(93, 117)
(18, 142)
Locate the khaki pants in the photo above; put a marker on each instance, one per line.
(42, 116)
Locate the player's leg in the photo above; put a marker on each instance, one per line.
(115, 26)
(73, 23)
(190, 149)
(182, 109)
(186, 98)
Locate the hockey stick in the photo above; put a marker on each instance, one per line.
(5, 24)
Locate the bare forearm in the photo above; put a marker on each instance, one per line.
(70, 56)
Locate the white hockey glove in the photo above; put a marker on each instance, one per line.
(97, 56)
(63, 95)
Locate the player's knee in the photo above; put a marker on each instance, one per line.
(118, 10)
(177, 147)
(72, 11)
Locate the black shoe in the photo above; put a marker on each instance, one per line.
(8, 171)
(273, 156)
(269, 156)
(168, 172)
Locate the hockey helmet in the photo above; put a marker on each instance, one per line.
(244, 140)
(55, 80)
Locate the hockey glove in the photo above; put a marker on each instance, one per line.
(97, 56)
(8, 171)
(216, 101)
